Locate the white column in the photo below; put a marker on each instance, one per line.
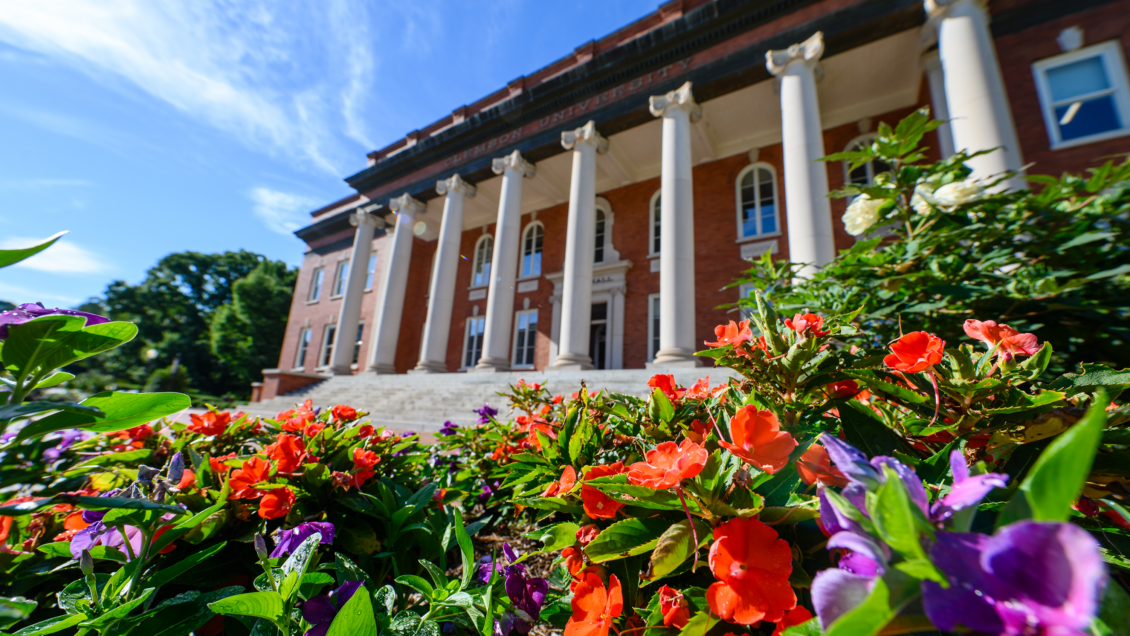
(940, 111)
(616, 327)
(677, 342)
(504, 262)
(433, 352)
(386, 330)
(980, 116)
(554, 327)
(580, 242)
(807, 208)
(346, 333)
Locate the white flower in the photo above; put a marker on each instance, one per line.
(861, 215)
(919, 201)
(956, 193)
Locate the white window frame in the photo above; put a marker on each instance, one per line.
(760, 165)
(326, 354)
(371, 274)
(304, 336)
(653, 307)
(317, 280)
(341, 278)
(514, 345)
(476, 261)
(653, 218)
(467, 339)
(357, 345)
(599, 237)
(1114, 63)
(522, 273)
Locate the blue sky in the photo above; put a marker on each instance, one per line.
(146, 127)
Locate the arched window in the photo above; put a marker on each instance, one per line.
(863, 175)
(601, 228)
(653, 225)
(757, 201)
(480, 276)
(531, 249)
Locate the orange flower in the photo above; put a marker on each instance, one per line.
(599, 505)
(74, 521)
(698, 431)
(676, 610)
(759, 440)
(313, 429)
(814, 465)
(343, 413)
(1012, 342)
(752, 565)
(796, 616)
(276, 503)
(556, 399)
(363, 463)
(604, 470)
(802, 323)
(210, 423)
(187, 480)
(731, 334)
(136, 435)
(666, 383)
(218, 466)
(564, 485)
(843, 388)
(667, 465)
(364, 432)
(585, 534)
(573, 560)
(914, 352)
(594, 607)
(244, 478)
(157, 535)
(289, 452)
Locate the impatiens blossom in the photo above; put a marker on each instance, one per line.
(243, 479)
(668, 464)
(363, 463)
(585, 534)
(289, 540)
(563, 485)
(731, 334)
(759, 440)
(752, 565)
(31, 311)
(210, 423)
(799, 615)
(597, 504)
(957, 193)
(806, 323)
(288, 451)
(1029, 578)
(666, 382)
(915, 352)
(1009, 342)
(814, 466)
(574, 562)
(321, 610)
(861, 215)
(343, 413)
(594, 606)
(276, 503)
(676, 611)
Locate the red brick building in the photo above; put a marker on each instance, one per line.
(528, 230)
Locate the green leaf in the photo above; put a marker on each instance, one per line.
(170, 574)
(809, 628)
(675, 546)
(900, 523)
(266, 605)
(11, 257)
(411, 624)
(699, 624)
(555, 537)
(1092, 378)
(564, 438)
(312, 583)
(55, 379)
(295, 566)
(1057, 478)
(626, 538)
(466, 549)
(40, 346)
(9, 412)
(660, 408)
(15, 609)
(417, 583)
(52, 625)
(438, 577)
(356, 617)
(119, 412)
(88, 503)
(386, 599)
(120, 611)
(866, 433)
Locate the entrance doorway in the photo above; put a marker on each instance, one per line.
(598, 336)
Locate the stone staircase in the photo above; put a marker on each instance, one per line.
(423, 402)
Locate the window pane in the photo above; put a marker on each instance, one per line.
(372, 270)
(598, 255)
(316, 284)
(1078, 78)
(357, 347)
(768, 204)
(655, 224)
(599, 311)
(1083, 119)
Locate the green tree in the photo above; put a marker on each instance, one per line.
(246, 334)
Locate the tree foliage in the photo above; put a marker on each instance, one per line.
(247, 332)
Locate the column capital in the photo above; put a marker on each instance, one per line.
(406, 204)
(937, 9)
(514, 161)
(808, 52)
(679, 99)
(586, 134)
(364, 215)
(455, 183)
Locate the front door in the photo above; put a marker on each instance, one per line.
(598, 336)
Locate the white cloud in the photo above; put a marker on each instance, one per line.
(282, 212)
(19, 295)
(61, 258)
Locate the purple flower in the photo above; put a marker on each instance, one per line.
(31, 311)
(289, 540)
(526, 593)
(864, 475)
(967, 491)
(837, 592)
(98, 533)
(449, 428)
(67, 439)
(1030, 577)
(321, 610)
(486, 413)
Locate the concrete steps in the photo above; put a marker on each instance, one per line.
(423, 402)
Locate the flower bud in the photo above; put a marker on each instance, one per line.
(176, 468)
(86, 563)
(145, 474)
(260, 546)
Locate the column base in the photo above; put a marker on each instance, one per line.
(566, 362)
(346, 370)
(491, 365)
(429, 366)
(675, 358)
(383, 369)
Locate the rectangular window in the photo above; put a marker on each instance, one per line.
(327, 346)
(1084, 94)
(357, 346)
(316, 285)
(652, 326)
(525, 337)
(372, 272)
(303, 347)
(473, 341)
(341, 276)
